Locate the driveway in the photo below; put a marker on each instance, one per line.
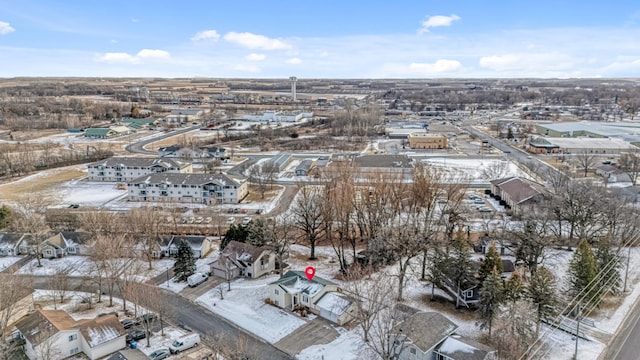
(315, 332)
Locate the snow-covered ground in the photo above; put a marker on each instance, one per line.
(7, 261)
(477, 169)
(202, 265)
(245, 305)
(82, 266)
(348, 346)
(88, 193)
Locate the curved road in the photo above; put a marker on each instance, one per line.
(138, 147)
(196, 317)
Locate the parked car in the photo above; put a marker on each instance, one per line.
(135, 335)
(197, 279)
(147, 318)
(246, 220)
(159, 354)
(109, 313)
(127, 323)
(184, 342)
(74, 206)
(231, 220)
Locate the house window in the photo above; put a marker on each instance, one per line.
(468, 293)
(73, 337)
(413, 351)
(276, 292)
(305, 298)
(74, 351)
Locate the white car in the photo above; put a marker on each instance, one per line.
(231, 220)
(246, 220)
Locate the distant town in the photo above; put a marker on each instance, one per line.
(444, 219)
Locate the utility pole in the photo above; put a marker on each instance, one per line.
(626, 270)
(575, 354)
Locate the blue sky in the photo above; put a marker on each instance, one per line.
(320, 39)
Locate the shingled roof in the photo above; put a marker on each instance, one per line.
(425, 329)
(100, 330)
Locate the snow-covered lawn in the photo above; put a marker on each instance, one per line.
(82, 266)
(202, 265)
(244, 305)
(348, 346)
(477, 169)
(87, 193)
(7, 261)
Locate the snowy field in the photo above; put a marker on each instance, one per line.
(244, 305)
(348, 346)
(477, 170)
(87, 193)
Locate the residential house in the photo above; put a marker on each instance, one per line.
(516, 192)
(16, 302)
(167, 245)
(612, 173)
(62, 244)
(110, 132)
(321, 297)
(431, 336)
(129, 168)
(54, 334)
(168, 151)
(456, 347)
(304, 167)
(188, 188)
(484, 243)
(243, 259)
(10, 244)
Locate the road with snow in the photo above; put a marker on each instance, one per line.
(138, 147)
(624, 345)
(196, 317)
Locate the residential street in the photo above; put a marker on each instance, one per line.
(197, 318)
(138, 147)
(624, 345)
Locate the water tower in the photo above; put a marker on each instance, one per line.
(293, 81)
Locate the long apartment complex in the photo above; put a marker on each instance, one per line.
(129, 168)
(188, 188)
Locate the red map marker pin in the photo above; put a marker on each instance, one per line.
(310, 271)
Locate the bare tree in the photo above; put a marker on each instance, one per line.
(148, 226)
(280, 231)
(630, 163)
(29, 217)
(585, 161)
(371, 294)
(59, 282)
(307, 215)
(14, 289)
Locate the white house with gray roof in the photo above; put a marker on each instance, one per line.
(129, 168)
(188, 188)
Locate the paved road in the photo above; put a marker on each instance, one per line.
(138, 147)
(315, 332)
(626, 342)
(194, 316)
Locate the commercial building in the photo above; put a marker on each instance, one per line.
(427, 141)
(579, 145)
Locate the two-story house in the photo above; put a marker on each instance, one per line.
(242, 259)
(53, 334)
(320, 296)
(188, 188)
(129, 168)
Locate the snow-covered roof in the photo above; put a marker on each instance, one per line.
(460, 348)
(101, 330)
(426, 329)
(333, 302)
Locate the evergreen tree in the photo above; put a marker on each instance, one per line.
(491, 296)
(608, 268)
(460, 265)
(235, 232)
(542, 293)
(437, 266)
(491, 261)
(257, 234)
(514, 288)
(583, 273)
(185, 264)
(5, 215)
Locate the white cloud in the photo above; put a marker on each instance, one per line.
(125, 58)
(294, 61)
(206, 35)
(255, 57)
(254, 41)
(247, 68)
(153, 54)
(113, 41)
(441, 66)
(118, 58)
(436, 21)
(6, 28)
